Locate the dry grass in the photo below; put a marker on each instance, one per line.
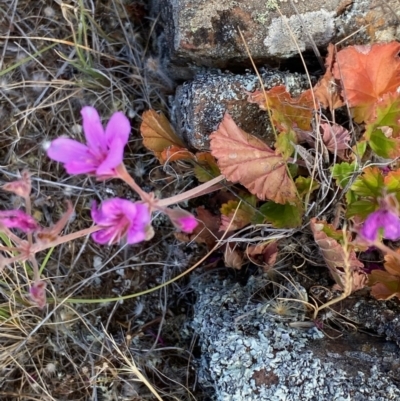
(55, 57)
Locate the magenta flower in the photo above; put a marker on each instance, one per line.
(381, 221)
(182, 219)
(104, 150)
(18, 219)
(121, 218)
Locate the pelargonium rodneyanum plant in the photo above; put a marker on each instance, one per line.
(347, 128)
(115, 220)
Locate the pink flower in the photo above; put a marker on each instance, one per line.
(104, 149)
(38, 293)
(381, 221)
(182, 219)
(121, 218)
(18, 219)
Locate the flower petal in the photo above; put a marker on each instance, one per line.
(383, 220)
(118, 127)
(182, 219)
(105, 236)
(120, 217)
(18, 219)
(94, 131)
(114, 158)
(64, 150)
(137, 230)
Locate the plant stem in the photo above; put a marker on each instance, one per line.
(126, 177)
(203, 189)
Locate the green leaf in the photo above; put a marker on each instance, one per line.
(350, 197)
(369, 183)
(282, 216)
(362, 208)
(383, 146)
(343, 173)
(206, 167)
(383, 130)
(305, 185)
(359, 148)
(293, 169)
(284, 143)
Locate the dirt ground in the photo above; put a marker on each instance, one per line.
(55, 58)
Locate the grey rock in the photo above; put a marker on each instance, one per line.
(199, 105)
(205, 32)
(249, 352)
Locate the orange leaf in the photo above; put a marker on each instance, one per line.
(158, 134)
(287, 112)
(174, 153)
(246, 159)
(392, 264)
(384, 285)
(267, 250)
(335, 257)
(326, 90)
(367, 72)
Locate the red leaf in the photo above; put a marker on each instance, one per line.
(367, 72)
(384, 285)
(326, 90)
(268, 252)
(246, 159)
(336, 138)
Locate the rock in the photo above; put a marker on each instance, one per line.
(205, 32)
(199, 105)
(257, 351)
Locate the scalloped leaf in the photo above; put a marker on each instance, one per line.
(282, 216)
(383, 285)
(243, 212)
(263, 254)
(392, 183)
(305, 185)
(392, 264)
(343, 173)
(284, 143)
(158, 134)
(327, 88)
(246, 159)
(362, 208)
(367, 72)
(336, 139)
(206, 167)
(383, 129)
(369, 183)
(287, 112)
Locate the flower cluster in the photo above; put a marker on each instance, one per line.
(102, 156)
(115, 219)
